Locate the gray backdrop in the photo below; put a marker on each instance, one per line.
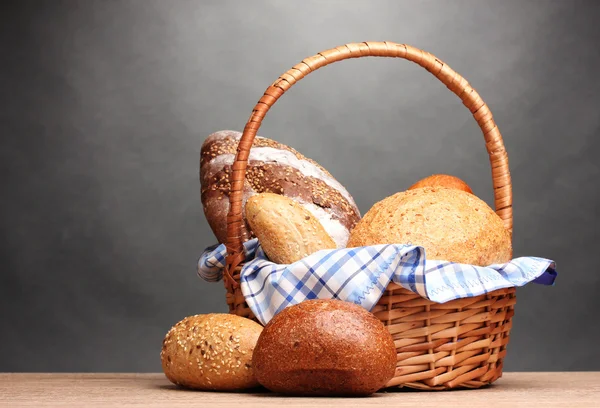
(105, 105)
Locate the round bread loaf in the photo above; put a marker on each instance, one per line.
(272, 168)
(442, 180)
(324, 347)
(452, 225)
(211, 352)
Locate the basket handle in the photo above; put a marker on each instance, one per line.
(452, 80)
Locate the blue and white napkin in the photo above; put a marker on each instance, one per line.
(360, 275)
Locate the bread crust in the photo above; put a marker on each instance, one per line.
(286, 231)
(325, 347)
(442, 180)
(211, 352)
(451, 225)
(273, 168)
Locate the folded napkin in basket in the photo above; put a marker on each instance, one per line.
(360, 275)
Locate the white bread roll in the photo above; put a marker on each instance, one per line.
(286, 231)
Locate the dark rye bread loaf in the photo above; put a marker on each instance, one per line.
(272, 168)
(324, 347)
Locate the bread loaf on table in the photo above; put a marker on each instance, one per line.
(452, 225)
(211, 352)
(273, 168)
(325, 347)
(286, 231)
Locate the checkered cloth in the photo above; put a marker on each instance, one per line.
(360, 275)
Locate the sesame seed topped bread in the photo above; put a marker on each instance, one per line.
(272, 168)
(286, 231)
(211, 352)
(452, 225)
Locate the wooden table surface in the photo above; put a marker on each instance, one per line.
(575, 389)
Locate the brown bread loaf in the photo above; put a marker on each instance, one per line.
(442, 180)
(211, 352)
(286, 231)
(324, 347)
(452, 225)
(273, 168)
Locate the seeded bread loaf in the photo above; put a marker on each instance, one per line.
(286, 231)
(272, 168)
(324, 347)
(452, 225)
(211, 352)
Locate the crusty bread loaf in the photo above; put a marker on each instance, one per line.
(211, 352)
(442, 180)
(286, 231)
(451, 225)
(272, 168)
(324, 347)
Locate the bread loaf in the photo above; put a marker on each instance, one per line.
(452, 225)
(272, 168)
(211, 352)
(324, 347)
(442, 180)
(286, 231)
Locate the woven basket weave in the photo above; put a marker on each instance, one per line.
(461, 343)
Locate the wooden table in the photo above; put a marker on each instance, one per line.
(575, 389)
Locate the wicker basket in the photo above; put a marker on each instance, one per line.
(461, 343)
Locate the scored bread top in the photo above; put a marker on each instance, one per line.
(451, 225)
(274, 168)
